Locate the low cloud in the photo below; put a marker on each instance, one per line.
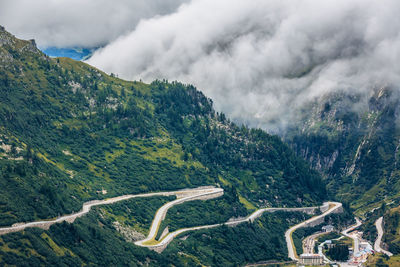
(262, 60)
(78, 23)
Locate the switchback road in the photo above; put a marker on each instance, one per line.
(187, 194)
(356, 241)
(182, 196)
(377, 245)
(333, 206)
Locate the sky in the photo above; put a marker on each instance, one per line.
(260, 61)
(78, 23)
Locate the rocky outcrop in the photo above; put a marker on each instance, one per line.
(128, 233)
(5, 37)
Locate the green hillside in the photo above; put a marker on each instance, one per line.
(354, 142)
(71, 133)
(390, 239)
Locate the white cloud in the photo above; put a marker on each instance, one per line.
(249, 55)
(259, 60)
(82, 23)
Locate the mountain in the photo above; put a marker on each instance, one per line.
(353, 140)
(71, 133)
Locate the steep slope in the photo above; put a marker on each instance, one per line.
(72, 133)
(354, 141)
(389, 214)
(391, 226)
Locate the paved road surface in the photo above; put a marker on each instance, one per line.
(288, 235)
(45, 224)
(182, 196)
(356, 241)
(160, 245)
(309, 243)
(161, 212)
(377, 245)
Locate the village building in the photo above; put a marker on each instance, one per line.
(311, 259)
(328, 228)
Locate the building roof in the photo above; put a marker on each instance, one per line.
(307, 255)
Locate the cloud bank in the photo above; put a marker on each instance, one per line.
(262, 60)
(78, 23)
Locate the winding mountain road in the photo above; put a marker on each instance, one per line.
(309, 242)
(377, 245)
(333, 207)
(150, 240)
(356, 241)
(182, 196)
(160, 245)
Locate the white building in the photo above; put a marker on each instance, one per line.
(328, 228)
(311, 259)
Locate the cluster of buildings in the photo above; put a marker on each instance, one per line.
(362, 249)
(316, 259)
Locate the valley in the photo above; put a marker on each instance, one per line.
(85, 138)
(96, 170)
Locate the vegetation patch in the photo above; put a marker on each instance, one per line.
(137, 213)
(246, 203)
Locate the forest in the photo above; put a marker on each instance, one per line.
(70, 133)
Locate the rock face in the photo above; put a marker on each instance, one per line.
(353, 141)
(164, 233)
(15, 48)
(5, 37)
(31, 47)
(128, 233)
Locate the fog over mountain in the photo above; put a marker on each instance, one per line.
(79, 23)
(260, 60)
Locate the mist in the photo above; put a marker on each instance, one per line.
(260, 61)
(78, 23)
